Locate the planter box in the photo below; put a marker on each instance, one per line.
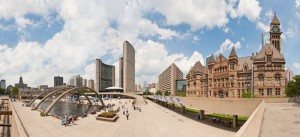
(108, 119)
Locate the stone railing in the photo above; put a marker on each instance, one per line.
(252, 127)
(17, 127)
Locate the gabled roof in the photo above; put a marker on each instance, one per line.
(233, 53)
(221, 56)
(243, 60)
(269, 48)
(275, 20)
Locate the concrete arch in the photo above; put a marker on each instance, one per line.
(50, 94)
(30, 103)
(66, 92)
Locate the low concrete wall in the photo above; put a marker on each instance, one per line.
(17, 129)
(278, 100)
(252, 127)
(296, 99)
(241, 107)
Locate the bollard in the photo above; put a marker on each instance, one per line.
(201, 114)
(173, 106)
(183, 109)
(234, 121)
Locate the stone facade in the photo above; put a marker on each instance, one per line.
(232, 76)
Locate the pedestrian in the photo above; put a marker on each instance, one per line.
(66, 120)
(127, 115)
(73, 120)
(124, 112)
(127, 110)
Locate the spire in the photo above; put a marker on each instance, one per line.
(211, 59)
(275, 20)
(232, 53)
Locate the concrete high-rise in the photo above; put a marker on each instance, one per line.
(76, 81)
(58, 81)
(167, 79)
(127, 68)
(91, 84)
(289, 74)
(105, 75)
(2, 84)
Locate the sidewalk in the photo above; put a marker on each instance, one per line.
(152, 121)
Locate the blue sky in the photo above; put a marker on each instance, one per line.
(46, 38)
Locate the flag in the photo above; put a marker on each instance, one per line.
(171, 98)
(179, 102)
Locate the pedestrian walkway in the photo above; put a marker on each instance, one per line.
(152, 121)
(281, 120)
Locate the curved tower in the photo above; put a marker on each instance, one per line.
(127, 68)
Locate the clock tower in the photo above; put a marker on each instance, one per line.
(275, 33)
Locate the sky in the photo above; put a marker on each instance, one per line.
(40, 39)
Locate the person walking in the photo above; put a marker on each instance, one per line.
(73, 120)
(127, 115)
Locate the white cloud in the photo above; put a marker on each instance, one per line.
(197, 14)
(298, 14)
(292, 30)
(87, 34)
(263, 27)
(269, 14)
(248, 8)
(297, 3)
(297, 65)
(226, 29)
(227, 45)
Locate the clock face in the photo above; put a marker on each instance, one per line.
(275, 29)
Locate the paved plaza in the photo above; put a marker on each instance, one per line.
(281, 120)
(152, 121)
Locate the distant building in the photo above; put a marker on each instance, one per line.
(105, 76)
(167, 79)
(289, 74)
(84, 83)
(58, 81)
(181, 85)
(138, 87)
(127, 68)
(21, 85)
(43, 87)
(91, 84)
(76, 81)
(152, 87)
(2, 84)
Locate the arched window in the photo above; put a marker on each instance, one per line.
(277, 79)
(261, 79)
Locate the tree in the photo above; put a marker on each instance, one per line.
(147, 93)
(181, 93)
(2, 91)
(246, 94)
(293, 88)
(167, 93)
(15, 90)
(158, 92)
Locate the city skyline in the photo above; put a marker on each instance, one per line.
(43, 39)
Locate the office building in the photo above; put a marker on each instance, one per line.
(2, 84)
(76, 81)
(58, 81)
(181, 85)
(167, 79)
(127, 68)
(91, 84)
(105, 76)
